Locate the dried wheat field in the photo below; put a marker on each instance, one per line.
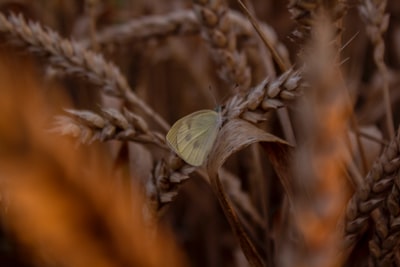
(291, 159)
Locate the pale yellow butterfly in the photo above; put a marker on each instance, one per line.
(193, 136)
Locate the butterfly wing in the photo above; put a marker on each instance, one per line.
(193, 136)
(196, 137)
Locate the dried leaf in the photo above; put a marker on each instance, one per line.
(235, 135)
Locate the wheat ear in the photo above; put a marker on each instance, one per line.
(73, 59)
(377, 22)
(372, 194)
(217, 31)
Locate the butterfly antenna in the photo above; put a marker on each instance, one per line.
(213, 93)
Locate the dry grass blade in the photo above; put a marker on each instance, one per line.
(265, 40)
(240, 198)
(71, 58)
(228, 142)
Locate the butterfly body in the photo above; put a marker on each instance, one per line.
(193, 136)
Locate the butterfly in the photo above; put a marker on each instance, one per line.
(193, 136)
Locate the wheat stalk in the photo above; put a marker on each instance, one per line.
(318, 176)
(162, 188)
(268, 95)
(218, 32)
(111, 124)
(377, 22)
(385, 240)
(386, 235)
(182, 22)
(71, 58)
(163, 184)
(378, 184)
